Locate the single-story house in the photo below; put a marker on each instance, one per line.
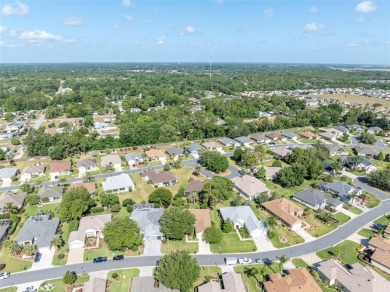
(118, 184)
(365, 151)
(275, 137)
(159, 179)
(111, 160)
(194, 149)
(156, 154)
(362, 164)
(134, 158)
(90, 226)
(244, 141)
(317, 200)
(38, 230)
(202, 220)
(374, 130)
(243, 216)
(148, 284)
(175, 152)
(95, 285)
(280, 152)
(229, 143)
(381, 256)
(329, 135)
(298, 279)
(336, 150)
(16, 199)
(230, 282)
(59, 168)
(344, 191)
(258, 138)
(53, 194)
(250, 187)
(32, 171)
(148, 220)
(355, 128)
(99, 126)
(286, 211)
(194, 187)
(87, 165)
(387, 230)
(212, 146)
(4, 226)
(352, 279)
(271, 171)
(90, 186)
(309, 135)
(290, 135)
(341, 129)
(7, 172)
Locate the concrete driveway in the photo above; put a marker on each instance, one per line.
(152, 247)
(47, 255)
(118, 168)
(204, 247)
(305, 235)
(263, 243)
(6, 183)
(75, 255)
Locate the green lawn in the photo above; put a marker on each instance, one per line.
(59, 283)
(251, 281)
(207, 271)
(371, 201)
(176, 245)
(287, 192)
(231, 243)
(13, 265)
(122, 283)
(353, 209)
(299, 263)
(385, 220)
(90, 254)
(368, 233)
(9, 289)
(65, 236)
(292, 239)
(341, 217)
(345, 250)
(261, 215)
(215, 220)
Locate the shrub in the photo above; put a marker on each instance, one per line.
(213, 235)
(97, 209)
(115, 208)
(73, 225)
(115, 275)
(127, 202)
(60, 256)
(130, 208)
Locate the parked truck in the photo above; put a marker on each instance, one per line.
(231, 261)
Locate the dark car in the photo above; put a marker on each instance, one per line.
(267, 261)
(118, 257)
(378, 225)
(99, 260)
(37, 257)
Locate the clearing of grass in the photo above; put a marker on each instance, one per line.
(367, 233)
(231, 243)
(63, 250)
(353, 98)
(122, 282)
(345, 251)
(371, 201)
(341, 217)
(288, 192)
(353, 209)
(385, 220)
(299, 263)
(9, 289)
(59, 283)
(251, 280)
(291, 239)
(207, 272)
(12, 264)
(178, 245)
(90, 254)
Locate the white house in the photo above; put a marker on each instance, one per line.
(32, 171)
(118, 184)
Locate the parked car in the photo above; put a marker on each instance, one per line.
(99, 260)
(259, 261)
(118, 257)
(267, 261)
(378, 225)
(231, 261)
(37, 258)
(4, 275)
(244, 261)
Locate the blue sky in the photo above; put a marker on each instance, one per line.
(348, 32)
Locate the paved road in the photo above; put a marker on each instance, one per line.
(361, 182)
(381, 145)
(39, 121)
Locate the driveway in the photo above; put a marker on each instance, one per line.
(305, 235)
(6, 183)
(204, 247)
(75, 255)
(348, 213)
(263, 243)
(47, 255)
(118, 168)
(152, 247)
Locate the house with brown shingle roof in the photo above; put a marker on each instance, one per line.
(387, 230)
(250, 187)
(16, 199)
(32, 171)
(309, 135)
(159, 179)
(90, 186)
(59, 168)
(156, 154)
(280, 152)
(202, 219)
(286, 211)
(212, 146)
(275, 136)
(111, 160)
(296, 280)
(194, 187)
(381, 256)
(231, 282)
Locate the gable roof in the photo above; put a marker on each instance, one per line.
(194, 186)
(96, 222)
(226, 141)
(111, 160)
(7, 172)
(90, 186)
(339, 187)
(50, 192)
(382, 257)
(193, 147)
(284, 209)
(232, 282)
(91, 162)
(117, 182)
(202, 217)
(297, 280)
(60, 166)
(336, 149)
(259, 138)
(311, 197)
(133, 156)
(17, 199)
(243, 214)
(365, 151)
(148, 221)
(95, 285)
(380, 242)
(363, 160)
(290, 135)
(244, 140)
(273, 135)
(34, 169)
(159, 177)
(271, 171)
(147, 284)
(175, 151)
(155, 153)
(211, 145)
(308, 135)
(249, 185)
(281, 151)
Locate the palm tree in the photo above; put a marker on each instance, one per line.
(271, 222)
(282, 260)
(356, 160)
(263, 271)
(13, 247)
(88, 177)
(56, 242)
(198, 170)
(29, 249)
(11, 208)
(253, 272)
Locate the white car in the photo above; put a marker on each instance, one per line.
(4, 276)
(245, 261)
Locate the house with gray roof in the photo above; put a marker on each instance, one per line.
(148, 284)
(341, 129)
(134, 158)
(38, 230)
(365, 151)
(7, 172)
(290, 135)
(355, 278)
(118, 184)
(229, 143)
(345, 192)
(194, 187)
(50, 194)
(87, 165)
(362, 164)
(317, 200)
(175, 152)
(250, 187)
(4, 226)
(95, 285)
(244, 141)
(336, 150)
(148, 220)
(355, 128)
(32, 171)
(258, 138)
(243, 216)
(194, 149)
(231, 282)
(16, 199)
(280, 152)
(374, 130)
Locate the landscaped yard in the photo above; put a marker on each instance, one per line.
(299, 263)
(231, 243)
(215, 220)
(59, 283)
(341, 217)
(353, 209)
(345, 250)
(291, 239)
(9, 289)
(366, 232)
(13, 265)
(207, 271)
(90, 254)
(385, 220)
(176, 245)
(287, 192)
(122, 283)
(65, 236)
(371, 201)
(251, 281)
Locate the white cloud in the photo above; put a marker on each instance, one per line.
(17, 8)
(268, 13)
(314, 9)
(2, 28)
(190, 29)
(39, 36)
(129, 17)
(73, 21)
(127, 3)
(366, 7)
(311, 27)
(160, 40)
(357, 44)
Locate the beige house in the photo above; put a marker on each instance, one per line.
(212, 146)
(288, 212)
(156, 154)
(381, 256)
(250, 187)
(32, 171)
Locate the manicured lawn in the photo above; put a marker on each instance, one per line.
(65, 236)
(13, 265)
(251, 281)
(231, 243)
(371, 201)
(207, 271)
(341, 217)
(345, 250)
(292, 239)
(176, 245)
(122, 283)
(33, 210)
(366, 232)
(261, 215)
(287, 192)
(354, 210)
(59, 283)
(385, 220)
(299, 263)
(215, 219)
(9, 289)
(90, 254)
